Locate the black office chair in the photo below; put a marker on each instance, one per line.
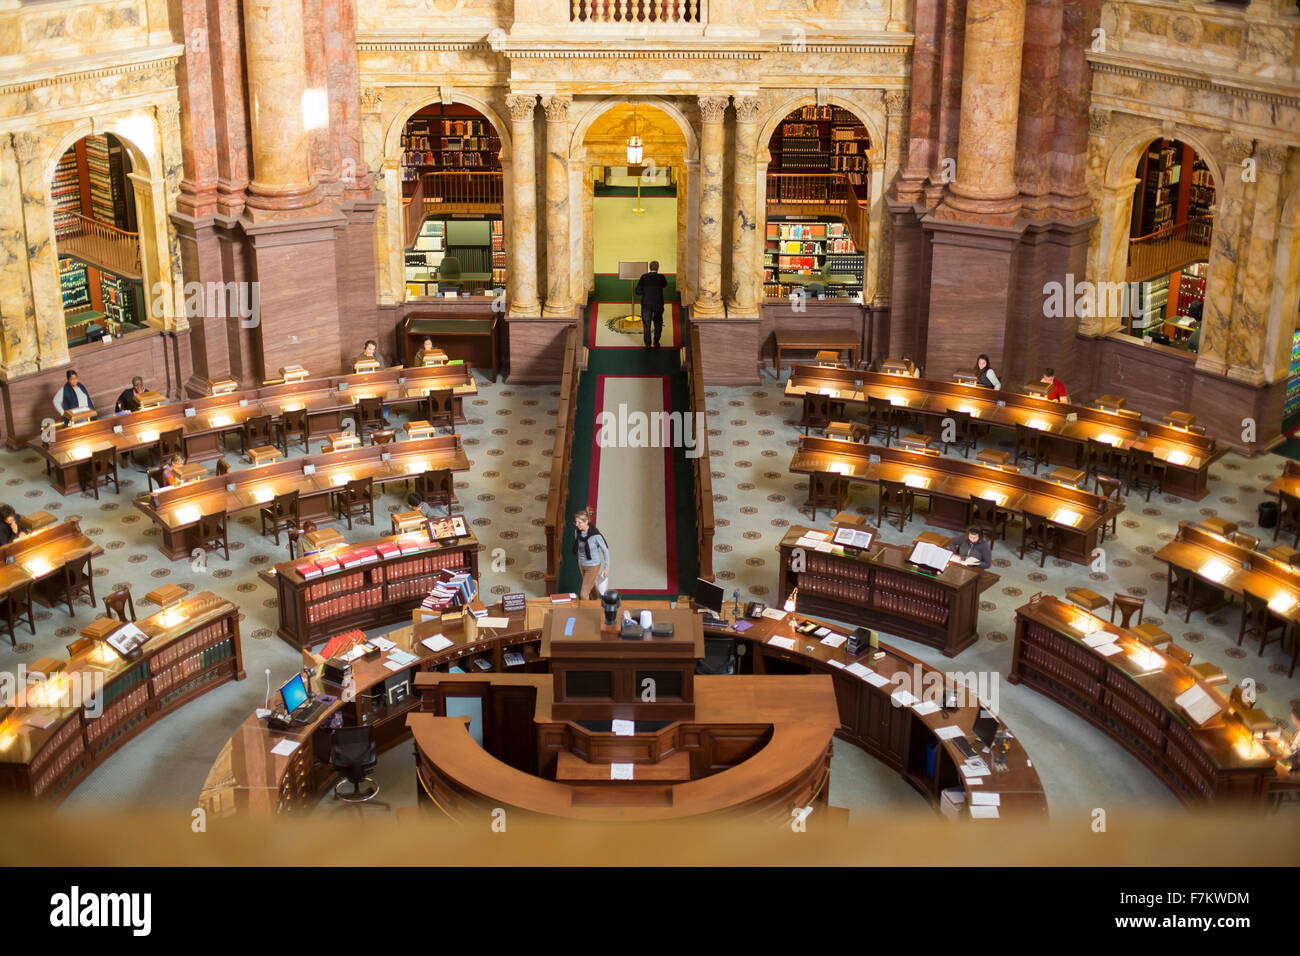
(719, 657)
(353, 754)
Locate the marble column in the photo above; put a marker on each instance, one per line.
(1230, 224)
(708, 297)
(683, 236)
(523, 231)
(985, 189)
(559, 297)
(277, 79)
(42, 258)
(1256, 265)
(588, 281)
(921, 118)
(17, 315)
(746, 262)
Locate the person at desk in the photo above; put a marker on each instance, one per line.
(650, 287)
(593, 554)
(169, 476)
(425, 349)
(371, 351)
(984, 373)
(972, 549)
(72, 395)
(129, 400)
(9, 529)
(1055, 387)
(1194, 340)
(1291, 747)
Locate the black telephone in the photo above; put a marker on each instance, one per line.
(755, 609)
(279, 721)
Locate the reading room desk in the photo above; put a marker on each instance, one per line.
(38, 558)
(1231, 569)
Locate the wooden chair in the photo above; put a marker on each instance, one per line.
(102, 469)
(828, 491)
(256, 432)
(440, 409)
(281, 514)
(1110, 489)
(295, 536)
(1038, 534)
(1144, 472)
(1029, 445)
(896, 501)
(988, 517)
(382, 436)
(1127, 605)
(1258, 621)
(963, 431)
(81, 644)
(15, 605)
(355, 499)
(819, 411)
(155, 477)
(213, 533)
(370, 414)
(882, 417)
(437, 489)
(1204, 671)
(1243, 540)
(171, 443)
(293, 425)
(1104, 458)
(223, 467)
(1185, 588)
(118, 604)
(1291, 636)
(1288, 517)
(78, 579)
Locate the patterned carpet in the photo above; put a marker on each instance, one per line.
(752, 436)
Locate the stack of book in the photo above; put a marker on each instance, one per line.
(450, 590)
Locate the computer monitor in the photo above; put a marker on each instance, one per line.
(986, 728)
(708, 595)
(294, 693)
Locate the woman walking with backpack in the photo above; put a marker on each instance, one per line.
(593, 554)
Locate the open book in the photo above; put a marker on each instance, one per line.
(853, 538)
(930, 556)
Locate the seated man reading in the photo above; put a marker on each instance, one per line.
(972, 549)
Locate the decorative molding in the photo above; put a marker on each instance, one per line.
(892, 47)
(1098, 121)
(372, 99)
(1238, 148)
(1272, 157)
(1190, 82)
(27, 146)
(169, 114)
(557, 108)
(447, 94)
(748, 109)
(823, 96)
(897, 102)
(634, 53)
(162, 65)
(521, 106)
(416, 46)
(712, 108)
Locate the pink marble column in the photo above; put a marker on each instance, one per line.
(924, 96)
(985, 189)
(276, 63)
(1039, 81)
(559, 295)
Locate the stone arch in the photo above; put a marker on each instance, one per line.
(1124, 157)
(667, 106)
(785, 107)
(393, 136)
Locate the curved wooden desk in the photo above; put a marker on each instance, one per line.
(248, 778)
(1129, 695)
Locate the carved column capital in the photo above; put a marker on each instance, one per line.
(1272, 157)
(521, 105)
(1237, 148)
(896, 102)
(557, 108)
(1098, 122)
(712, 108)
(372, 99)
(747, 109)
(27, 146)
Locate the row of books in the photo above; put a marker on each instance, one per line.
(425, 563)
(193, 664)
(114, 714)
(68, 759)
(844, 164)
(188, 645)
(836, 588)
(911, 586)
(345, 604)
(70, 729)
(910, 607)
(838, 567)
(410, 588)
(798, 130)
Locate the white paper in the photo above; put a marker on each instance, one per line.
(437, 643)
(402, 658)
(925, 708)
(949, 732)
(383, 643)
(785, 642)
(834, 640)
(983, 811)
(835, 663)
(986, 799)
(602, 585)
(816, 535)
(1106, 650)
(975, 770)
(394, 666)
(903, 698)
(285, 748)
(1199, 705)
(494, 622)
(930, 555)
(1099, 638)
(859, 670)
(624, 728)
(774, 614)
(620, 771)
(821, 632)
(877, 680)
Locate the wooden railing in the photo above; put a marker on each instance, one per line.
(700, 465)
(481, 187)
(113, 249)
(855, 214)
(414, 213)
(1168, 250)
(561, 458)
(636, 11)
(821, 194)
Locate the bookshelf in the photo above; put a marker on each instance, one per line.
(1291, 411)
(1200, 200)
(362, 586)
(447, 136)
(121, 301)
(1191, 287)
(822, 139)
(816, 253)
(65, 192)
(879, 589)
(192, 648)
(74, 284)
(1159, 179)
(476, 243)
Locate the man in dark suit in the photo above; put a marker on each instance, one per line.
(650, 287)
(972, 549)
